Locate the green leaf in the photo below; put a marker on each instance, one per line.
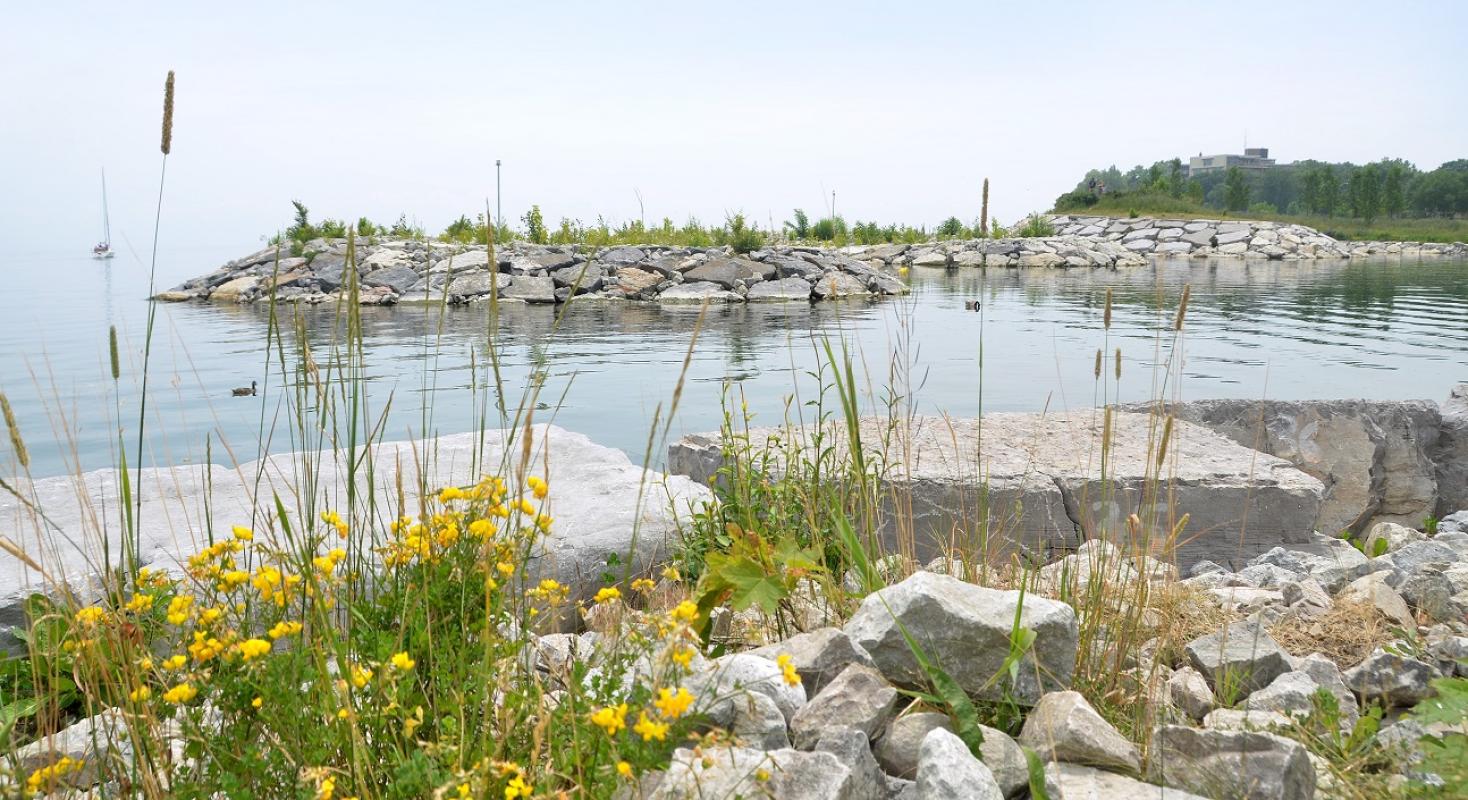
(1378, 549)
(1450, 706)
(965, 714)
(13, 712)
(753, 586)
(1037, 775)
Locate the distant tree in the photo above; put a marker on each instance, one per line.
(535, 226)
(951, 228)
(301, 229)
(365, 227)
(460, 230)
(1365, 192)
(1195, 191)
(1176, 183)
(1443, 191)
(1235, 190)
(1330, 191)
(1394, 189)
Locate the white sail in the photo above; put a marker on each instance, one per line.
(104, 247)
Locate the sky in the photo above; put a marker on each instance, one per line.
(700, 109)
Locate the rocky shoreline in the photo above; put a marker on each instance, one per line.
(408, 270)
(817, 703)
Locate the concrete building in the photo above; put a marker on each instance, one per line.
(1253, 158)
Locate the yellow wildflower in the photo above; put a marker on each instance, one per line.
(649, 730)
(505, 568)
(235, 578)
(642, 585)
(524, 506)
(178, 609)
(788, 669)
(543, 522)
(611, 719)
(761, 774)
(607, 594)
(139, 603)
(624, 769)
(180, 694)
(175, 662)
(254, 648)
(683, 656)
(91, 615)
(537, 486)
(361, 676)
(402, 661)
(450, 493)
(671, 574)
(284, 628)
(140, 694)
(517, 787)
(481, 528)
(685, 612)
(47, 778)
(243, 534)
(326, 790)
(257, 702)
(673, 704)
(209, 615)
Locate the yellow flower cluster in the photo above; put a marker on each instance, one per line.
(48, 778)
(787, 669)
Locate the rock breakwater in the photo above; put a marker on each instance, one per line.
(405, 270)
(1204, 238)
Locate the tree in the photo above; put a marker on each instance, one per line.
(1235, 190)
(1176, 183)
(1394, 190)
(950, 228)
(1330, 191)
(1365, 192)
(535, 225)
(301, 229)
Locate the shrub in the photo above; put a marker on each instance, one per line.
(741, 237)
(1036, 225)
(535, 226)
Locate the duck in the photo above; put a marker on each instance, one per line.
(971, 305)
(244, 391)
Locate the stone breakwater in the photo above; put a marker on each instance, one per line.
(394, 271)
(1204, 238)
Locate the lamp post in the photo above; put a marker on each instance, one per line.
(499, 217)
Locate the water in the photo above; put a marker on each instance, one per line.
(1383, 330)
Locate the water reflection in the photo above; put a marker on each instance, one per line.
(1302, 330)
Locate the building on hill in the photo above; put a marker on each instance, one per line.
(1253, 158)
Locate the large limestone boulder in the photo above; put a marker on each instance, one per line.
(1452, 453)
(1064, 727)
(1078, 782)
(1235, 764)
(948, 771)
(1375, 459)
(1038, 480)
(965, 629)
(742, 772)
(859, 698)
(594, 501)
(1238, 660)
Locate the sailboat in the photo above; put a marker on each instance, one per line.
(104, 247)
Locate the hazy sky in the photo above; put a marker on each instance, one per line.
(368, 108)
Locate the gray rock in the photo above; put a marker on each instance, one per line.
(1189, 693)
(781, 289)
(595, 504)
(1242, 719)
(1413, 556)
(758, 721)
(1289, 694)
(531, 289)
(635, 282)
(1452, 455)
(1233, 764)
(1078, 782)
(818, 656)
(858, 698)
(1327, 675)
(897, 749)
(397, 278)
(852, 749)
(735, 772)
(728, 273)
(1006, 759)
(698, 292)
(1269, 576)
(1238, 660)
(1392, 680)
(948, 771)
(965, 629)
(838, 284)
(1392, 535)
(622, 256)
(584, 277)
(1064, 727)
(1375, 591)
(713, 688)
(1037, 469)
(102, 743)
(476, 284)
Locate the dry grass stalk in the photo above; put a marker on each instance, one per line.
(1346, 634)
(16, 441)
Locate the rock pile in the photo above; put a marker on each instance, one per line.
(403, 270)
(1063, 252)
(1204, 238)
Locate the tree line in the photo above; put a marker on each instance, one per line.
(1390, 187)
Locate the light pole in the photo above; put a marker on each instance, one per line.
(499, 217)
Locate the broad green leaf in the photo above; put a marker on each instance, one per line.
(1037, 775)
(753, 586)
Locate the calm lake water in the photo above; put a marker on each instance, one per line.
(1381, 330)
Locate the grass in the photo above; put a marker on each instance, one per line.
(1400, 229)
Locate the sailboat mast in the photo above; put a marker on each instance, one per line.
(106, 223)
